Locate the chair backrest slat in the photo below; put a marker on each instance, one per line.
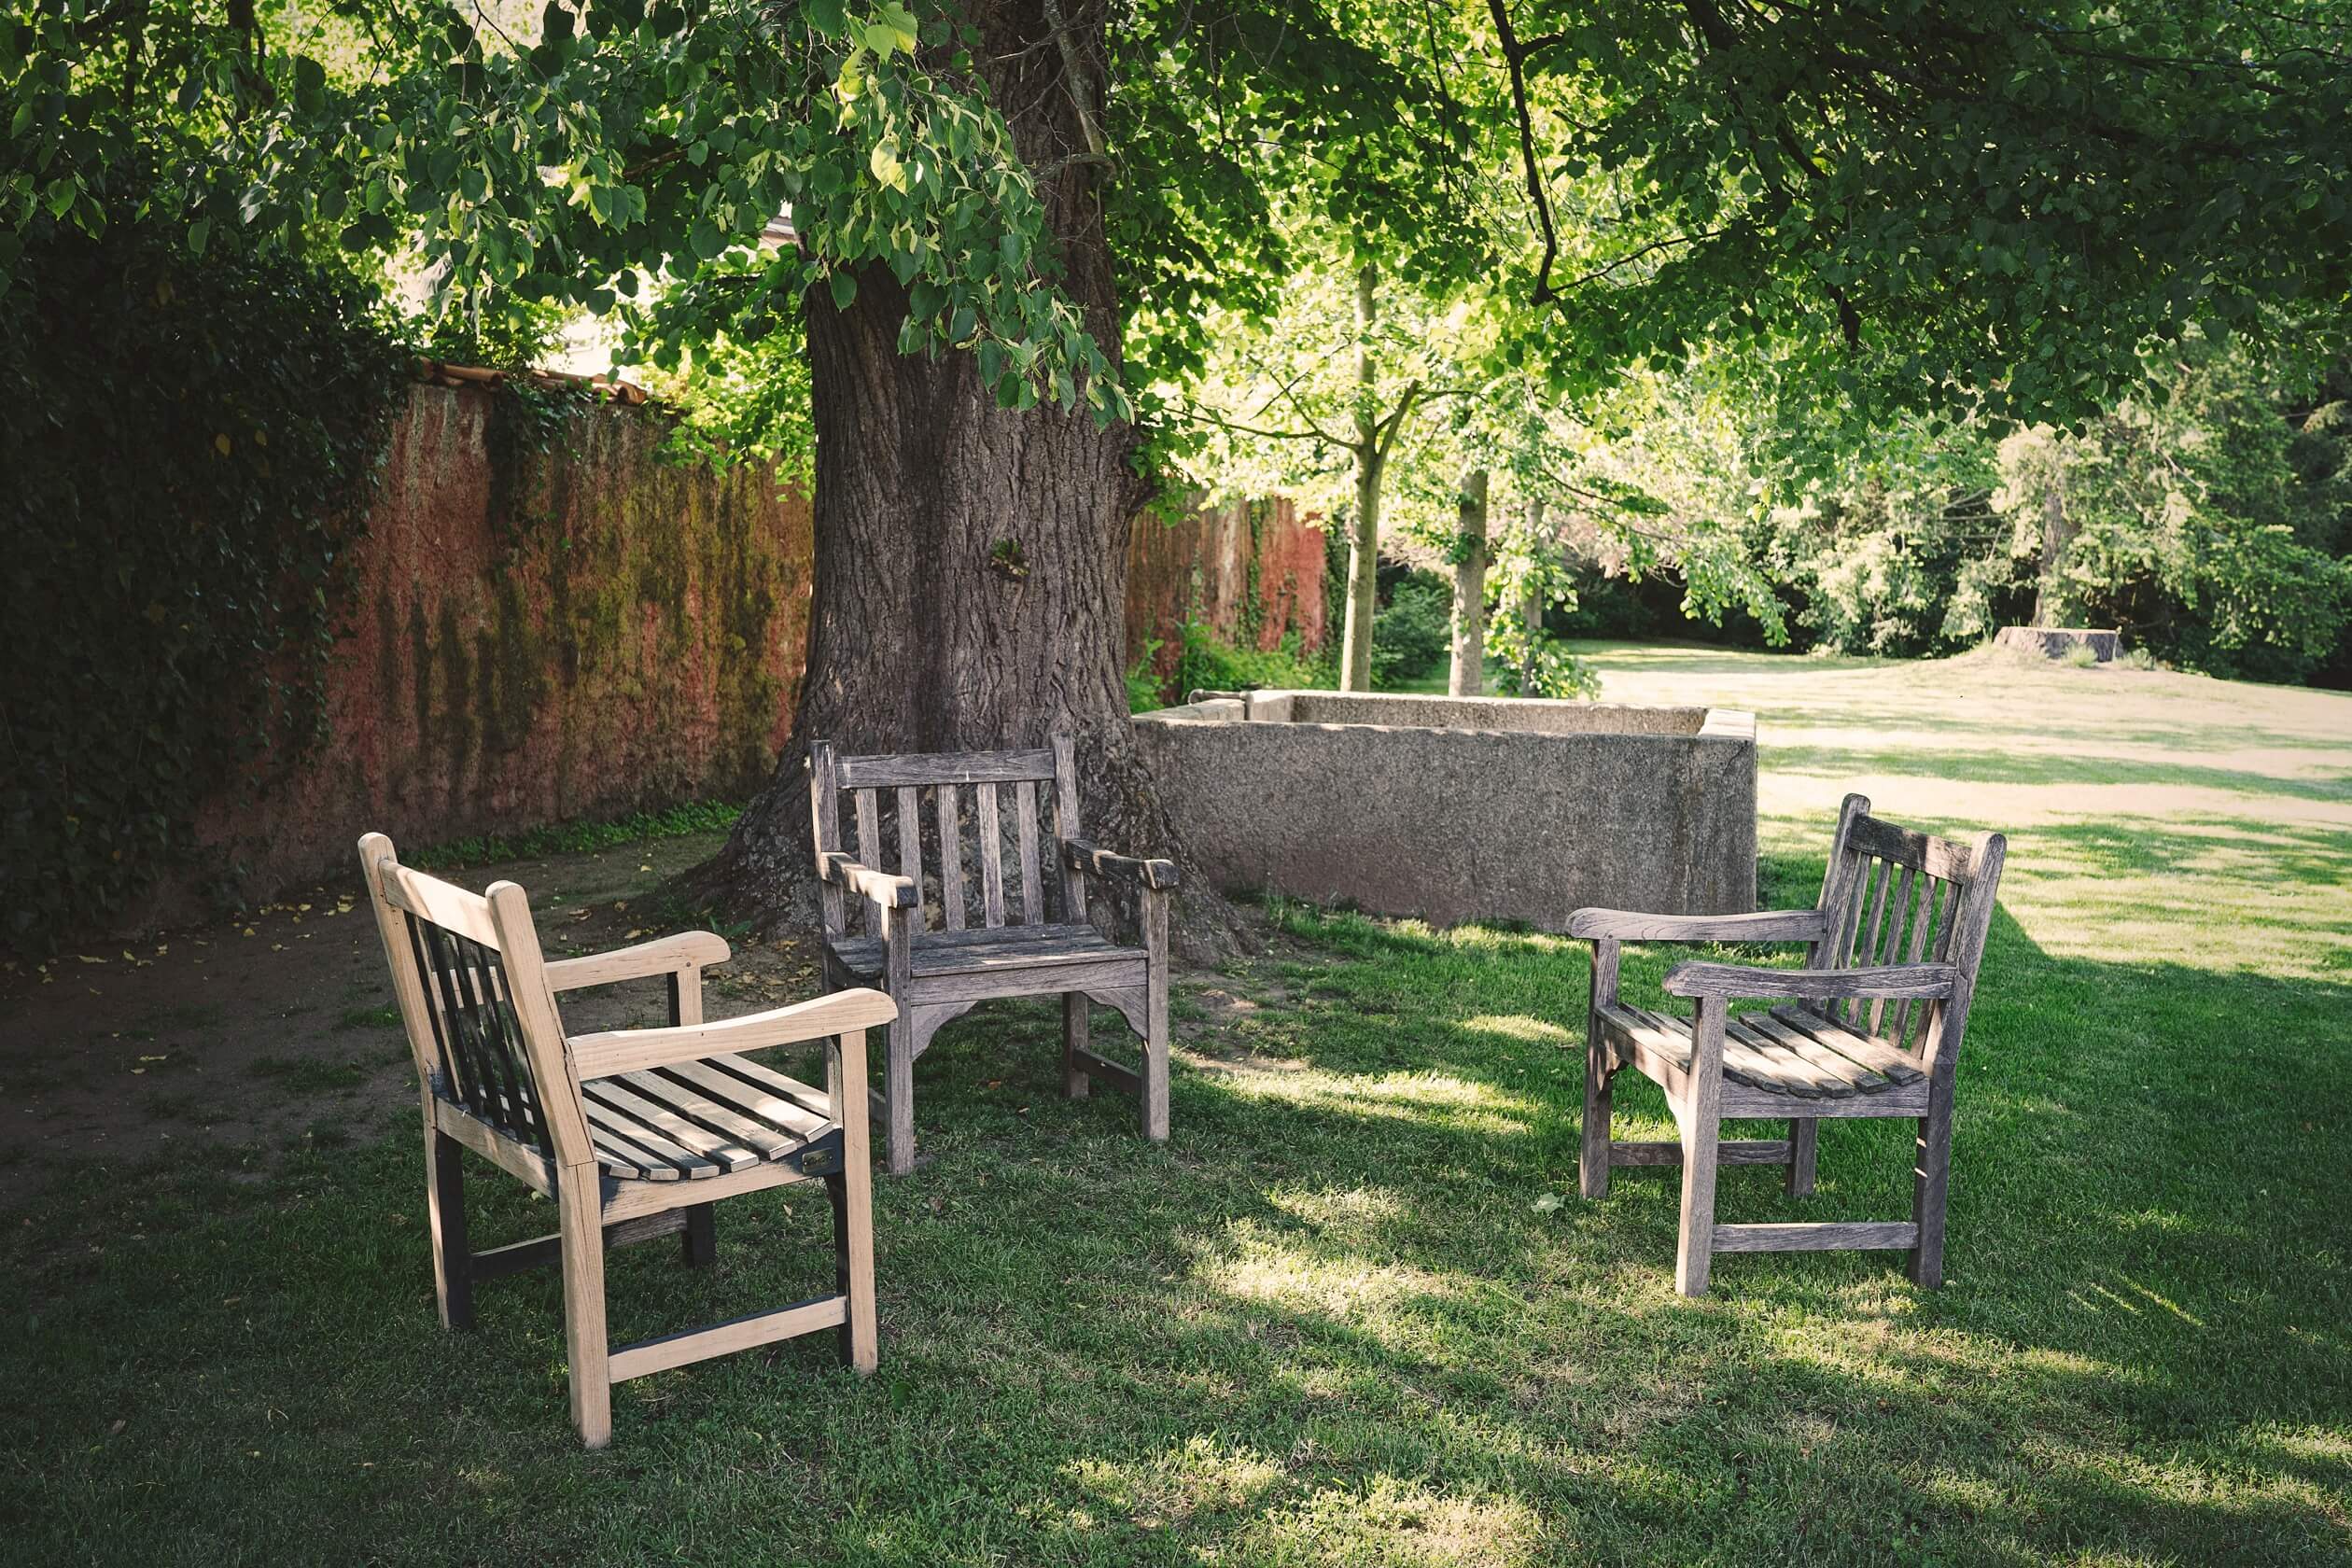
(869, 851)
(1066, 826)
(991, 858)
(910, 837)
(947, 798)
(1025, 824)
(1893, 943)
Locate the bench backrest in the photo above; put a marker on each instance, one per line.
(952, 818)
(1894, 896)
(474, 1000)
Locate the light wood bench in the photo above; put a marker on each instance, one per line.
(635, 1133)
(973, 808)
(1871, 1028)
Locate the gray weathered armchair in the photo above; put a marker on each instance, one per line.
(937, 972)
(1873, 1028)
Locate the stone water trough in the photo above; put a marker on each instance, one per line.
(1463, 808)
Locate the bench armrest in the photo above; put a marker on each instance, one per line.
(666, 955)
(614, 1051)
(891, 893)
(1780, 925)
(1080, 854)
(1892, 981)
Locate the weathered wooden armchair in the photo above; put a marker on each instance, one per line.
(635, 1133)
(937, 971)
(1874, 1031)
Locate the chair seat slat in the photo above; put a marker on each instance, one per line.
(745, 1086)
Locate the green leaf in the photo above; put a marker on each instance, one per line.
(706, 240)
(885, 163)
(198, 233)
(845, 288)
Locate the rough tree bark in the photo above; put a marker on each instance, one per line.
(1467, 675)
(971, 561)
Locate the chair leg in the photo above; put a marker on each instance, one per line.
(1804, 1137)
(1931, 1188)
(897, 1094)
(852, 1196)
(1593, 1160)
(580, 1222)
(445, 1218)
(700, 1236)
(1694, 1258)
(1155, 1097)
(1075, 1022)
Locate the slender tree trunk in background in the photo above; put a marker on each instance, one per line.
(1531, 604)
(971, 562)
(2058, 531)
(1467, 677)
(1364, 548)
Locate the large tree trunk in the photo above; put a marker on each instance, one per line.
(1467, 677)
(1363, 544)
(971, 561)
(1531, 604)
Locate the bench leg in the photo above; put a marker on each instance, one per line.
(1931, 1188)
(1694, 1257)
(1154, 1095)
(445, 1219)
(1592, 1159)
(580, 1204)
(852, 1196)
(700, 1235)
(897, 1094)
(1804, 1134)
(1075, 1023)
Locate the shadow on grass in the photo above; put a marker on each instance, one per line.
(1337, 1318)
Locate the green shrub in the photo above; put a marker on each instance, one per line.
(2078, 655)
(1142, 686)
(1413, 633)
(1207, 663)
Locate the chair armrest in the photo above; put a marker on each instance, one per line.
(1779, 925)
(662, 955)
(1080, 854)
(891, 893)
(1890, 981)
(612, 1051)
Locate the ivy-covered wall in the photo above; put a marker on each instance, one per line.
(1252, 572)
(547, 621)
(550, 621)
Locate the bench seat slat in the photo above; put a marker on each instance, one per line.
(693, 1120)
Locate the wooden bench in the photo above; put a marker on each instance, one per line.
(926, 941)
(1871, 1028)
(635, 1133)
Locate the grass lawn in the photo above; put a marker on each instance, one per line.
(1352, 1312)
